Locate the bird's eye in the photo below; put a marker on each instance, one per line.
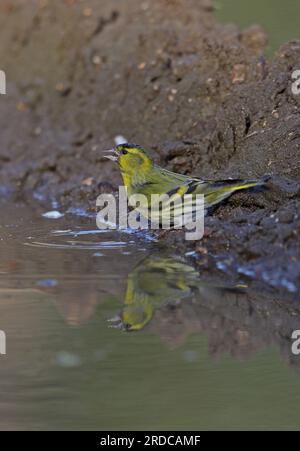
(124, 152)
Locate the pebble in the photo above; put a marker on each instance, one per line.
(87, 12)
(54, 214)
(96, 60)
(119, 139)
(191, 254)
(88, 181)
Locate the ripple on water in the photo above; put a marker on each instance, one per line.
(89, 239)
(80, 244)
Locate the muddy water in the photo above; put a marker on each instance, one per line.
(103, 332)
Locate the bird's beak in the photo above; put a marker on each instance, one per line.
(116, 322)
(113, 157)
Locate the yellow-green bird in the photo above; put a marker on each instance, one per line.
(156, 281)
(142, 176)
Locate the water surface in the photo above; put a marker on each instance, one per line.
(104, 332)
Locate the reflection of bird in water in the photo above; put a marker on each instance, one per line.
(153, 283)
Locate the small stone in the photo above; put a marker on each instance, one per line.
(87, 12)
(54, 214)
(142, 66)
(88, 181)
(238, 73)
(96, 60)
(190, 254)
(120, 139)
(202, 250)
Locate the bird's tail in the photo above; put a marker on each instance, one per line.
(220, 190)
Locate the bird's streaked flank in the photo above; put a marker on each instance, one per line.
(141, 176)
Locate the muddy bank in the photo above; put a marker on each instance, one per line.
(166, 75)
